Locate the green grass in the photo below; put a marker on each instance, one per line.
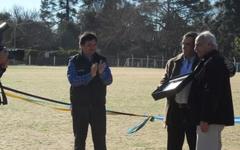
(32, 127)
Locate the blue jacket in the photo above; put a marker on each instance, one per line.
(86, 90)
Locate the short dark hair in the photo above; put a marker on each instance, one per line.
(87, 36)
(191, 34)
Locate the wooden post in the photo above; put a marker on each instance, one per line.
(29, 60)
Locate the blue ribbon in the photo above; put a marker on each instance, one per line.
(134, 129)
(141, 124)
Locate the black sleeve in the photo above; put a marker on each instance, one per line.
(230, 67)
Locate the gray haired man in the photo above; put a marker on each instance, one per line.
(211, 94)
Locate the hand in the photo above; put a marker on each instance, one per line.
(4, 65)
(204, 126)
(3, 59)
(164, 124)
(101, 67)
(94, 68)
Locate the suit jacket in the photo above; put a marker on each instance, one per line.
(210, 94)
(174, 115)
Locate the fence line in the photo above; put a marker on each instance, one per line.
(147, 62)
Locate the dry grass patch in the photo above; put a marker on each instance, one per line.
(31, 127)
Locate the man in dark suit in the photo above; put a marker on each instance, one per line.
(178, 112)
(211, 94)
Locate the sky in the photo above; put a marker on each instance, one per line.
(27, 4)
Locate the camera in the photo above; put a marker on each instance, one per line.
(3, 27)
(16, 54)
(3, 61)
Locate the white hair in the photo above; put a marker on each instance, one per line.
(209, 37)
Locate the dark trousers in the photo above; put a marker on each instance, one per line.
(96, 117)
(176, 135)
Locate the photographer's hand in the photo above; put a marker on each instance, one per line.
(5, 65)
(3, 59)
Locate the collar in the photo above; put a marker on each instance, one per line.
(179, 57)
(191, 59)
(210, 54)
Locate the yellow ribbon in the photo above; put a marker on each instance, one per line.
(17, 97)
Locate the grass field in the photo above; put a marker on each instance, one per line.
(27, 126)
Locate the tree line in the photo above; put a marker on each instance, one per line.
(123, 27)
